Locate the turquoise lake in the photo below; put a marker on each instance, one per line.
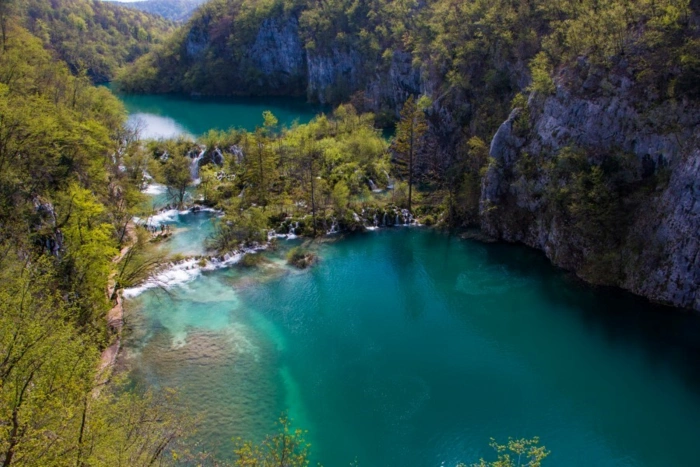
(410, 347)
(164, 116)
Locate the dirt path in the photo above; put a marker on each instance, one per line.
(115, 318)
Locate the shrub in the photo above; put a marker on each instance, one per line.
(300, 257)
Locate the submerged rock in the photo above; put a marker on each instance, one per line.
(301, 258)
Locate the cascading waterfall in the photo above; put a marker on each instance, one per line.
(293, 228)
(390, 184)
(335, 228)
(194, 165)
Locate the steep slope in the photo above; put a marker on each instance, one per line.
(606, 184)
(63, 199)
(92, 36)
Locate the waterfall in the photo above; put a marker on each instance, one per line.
(406, 217)
(194, 165)
(384, 219)
(335, 228)
(390, 184)
(396, 221)
(373, 186)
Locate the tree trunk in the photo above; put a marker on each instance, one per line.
(410, 169)
(313, 193)
(262, 176)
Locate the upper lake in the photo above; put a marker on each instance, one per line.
(165, 116)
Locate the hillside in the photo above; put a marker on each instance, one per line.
(62, 210)
(92, 36)
(173, 10)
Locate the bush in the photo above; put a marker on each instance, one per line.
(541, 70)
(250, 260)
(301, 258)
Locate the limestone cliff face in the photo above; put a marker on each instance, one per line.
(278, 53)
(335, 75)
(656, 250)
(276, 61)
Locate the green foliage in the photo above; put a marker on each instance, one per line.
(408, 142)
(64, 206)
(95, 38)
(464, 182)
(592, 197)
(300, 257)
(138, 263)
(176, 175)
(516, 453)
(341, 197)
(90, 247)
(250, 260)
(286, 448)
(317, 169)
(541, 71)
(243, 227)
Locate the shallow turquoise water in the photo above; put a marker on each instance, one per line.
(191, 231)
(409, 347)
(164, 116)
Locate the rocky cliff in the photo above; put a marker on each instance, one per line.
(219, 54)
(605, 182)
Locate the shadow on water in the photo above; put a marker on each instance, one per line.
(664, 334)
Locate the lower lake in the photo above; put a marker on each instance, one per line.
(410, 347)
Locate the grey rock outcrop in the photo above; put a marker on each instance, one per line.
(276, 61)
(278, 50)
(658, 253)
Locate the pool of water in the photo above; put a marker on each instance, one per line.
(410, 347)
(166, 116)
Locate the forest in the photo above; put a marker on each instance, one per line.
(477, 61)
(94, 38)
(64, 204)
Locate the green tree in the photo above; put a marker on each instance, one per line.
(516, 453)
(408, 142)
(260, 165)
(541, 71)
(464, 181)
(242, 227)
(176, 173)
(341, 196)
(89, 246)
(286, 448)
